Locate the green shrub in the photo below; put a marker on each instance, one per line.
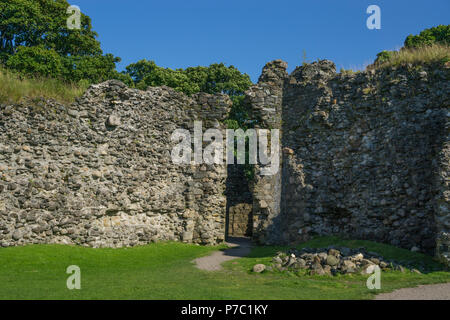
(384, 56)
(47, 63)
(95, 69)
(216, 78)
(431, 36)
(36, 61)
(31, 23)
(35, 40)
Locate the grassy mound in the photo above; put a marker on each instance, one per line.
(15, 88)
(435, 53)
(165, 271)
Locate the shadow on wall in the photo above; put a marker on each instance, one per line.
(364, 155)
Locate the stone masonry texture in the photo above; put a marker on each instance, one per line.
(363, 155)
(99, 172)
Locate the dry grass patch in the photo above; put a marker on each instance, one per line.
(424, 55)
(15, 88)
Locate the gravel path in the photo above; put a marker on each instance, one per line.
(240, 248)
(425, 292)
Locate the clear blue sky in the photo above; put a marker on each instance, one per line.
(249, 33)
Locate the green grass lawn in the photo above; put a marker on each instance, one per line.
(165, 271)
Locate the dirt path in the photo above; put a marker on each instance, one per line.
(425, 292)
(240, 248)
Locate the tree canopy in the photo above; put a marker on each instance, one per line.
(35, 39)
(31, 23)
(217, 78)
(435, 35)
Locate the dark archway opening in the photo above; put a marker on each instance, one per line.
(239, 211)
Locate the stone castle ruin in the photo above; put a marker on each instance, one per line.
(364, 155)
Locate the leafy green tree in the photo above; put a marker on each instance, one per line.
(31, 23)
(139, 70)
(176, 79)
(217, 78)
(146, 73)
(428, 37)
(92, 68)
(34, 39)
(36, 61)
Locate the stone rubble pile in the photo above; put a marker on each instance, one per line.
(330, 261)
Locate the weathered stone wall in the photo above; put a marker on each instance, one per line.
(241, 222)
(365, 155)
(265, 102)
(99, 172)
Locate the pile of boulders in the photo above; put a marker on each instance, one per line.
(329, 261)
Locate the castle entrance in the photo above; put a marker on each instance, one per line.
(239, 216)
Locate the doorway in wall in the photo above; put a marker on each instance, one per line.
(239, 211)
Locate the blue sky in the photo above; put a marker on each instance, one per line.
(248, 33)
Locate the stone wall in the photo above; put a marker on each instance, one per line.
(365, 155)
(99, 172)
(241, 222)
(265, 102)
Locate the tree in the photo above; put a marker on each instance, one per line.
(34, 32)
(146, 73)
(428, 37)
(140, 69)
(31, 23)
(94, 69)
(36, 61)
(217, 78)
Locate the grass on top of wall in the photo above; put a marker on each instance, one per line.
(15, 88)
(424, 55)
